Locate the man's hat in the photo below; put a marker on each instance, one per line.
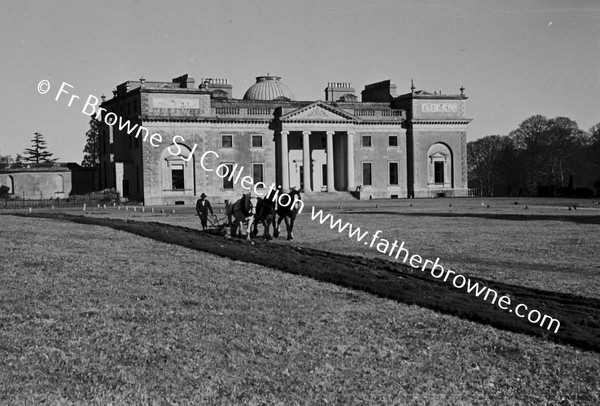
(203, 195)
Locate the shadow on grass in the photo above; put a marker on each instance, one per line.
(579, 316)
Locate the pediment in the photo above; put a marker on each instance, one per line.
(319, 111)
(438, 155)
(177, 158)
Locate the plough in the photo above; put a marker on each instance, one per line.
(217, 225)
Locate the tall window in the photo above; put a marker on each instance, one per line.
(367, 173)
(257, 141)
(366, 140)
(177, 179)
(393, 141)
(438, 172)
(324, 174)
(393, 173)
(226, 141)
(227, 183)
(257, 173)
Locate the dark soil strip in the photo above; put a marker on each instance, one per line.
(579, 316)
(492, 216)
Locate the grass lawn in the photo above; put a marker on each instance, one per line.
(543, 250)
(91, 315)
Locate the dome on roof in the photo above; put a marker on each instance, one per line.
(269, 88)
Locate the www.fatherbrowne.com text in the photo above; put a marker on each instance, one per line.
(436, 270)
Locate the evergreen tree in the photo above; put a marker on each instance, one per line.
(91, 159)
(38, 152)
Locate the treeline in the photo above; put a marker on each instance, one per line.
(543, 157)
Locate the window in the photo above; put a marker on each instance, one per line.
(177, 178)
(366, 140)
(367, 174)
(393, 141)
(439, 172)
(324, 174)
(228, 180)
(257, 141)
(257, 172)
(393, 173)
(226, 141)
(439, 168)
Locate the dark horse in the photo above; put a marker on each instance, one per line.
(238, 213)
(264, 214)
(288, 212)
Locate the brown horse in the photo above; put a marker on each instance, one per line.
(288, 212)
(265, 215)
(242, 211)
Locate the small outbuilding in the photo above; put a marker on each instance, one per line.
(47, 180)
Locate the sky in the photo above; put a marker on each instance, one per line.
(514, 58)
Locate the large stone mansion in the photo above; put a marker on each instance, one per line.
(383, 146)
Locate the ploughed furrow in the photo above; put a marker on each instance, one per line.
(580, 219)
(579, 316)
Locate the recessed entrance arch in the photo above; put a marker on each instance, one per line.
(440, 166)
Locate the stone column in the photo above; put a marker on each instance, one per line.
(119, 177)
(350, 156)
(306, 160)
(330, 186)
(111, 157)
(285, 165)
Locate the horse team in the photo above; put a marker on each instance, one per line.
(269, 212)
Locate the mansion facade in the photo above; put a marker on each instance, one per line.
(384, 146)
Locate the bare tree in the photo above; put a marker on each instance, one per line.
(530, 140)
(485, 166)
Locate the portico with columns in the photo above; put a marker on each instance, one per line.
(316, 160)
(315, 149)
